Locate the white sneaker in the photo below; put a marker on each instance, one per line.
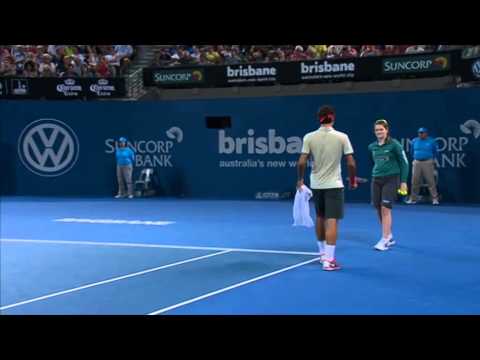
(435, 202)
(390, 242)
(130, 196)
(410, 202)
(331, 265)
(119, 196)
(381, 245)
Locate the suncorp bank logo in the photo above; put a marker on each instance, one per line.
(152, 152)
(471, 127)
(175, 133)
(270, 144)
(410, 64)
(180, 76)
(48, 147)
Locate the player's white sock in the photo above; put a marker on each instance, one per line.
(321, 246)
(387, 239)
(329, 252)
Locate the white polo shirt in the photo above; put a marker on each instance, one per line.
(327, 146)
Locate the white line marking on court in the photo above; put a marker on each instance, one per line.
(231, 287)
(113, 279)
(113, 221)
(139, 245)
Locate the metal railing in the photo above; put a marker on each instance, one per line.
(134, 84)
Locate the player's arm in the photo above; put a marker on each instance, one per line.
(352, 171)
(302, 162)
(403, 163)
(301, 167)
(351, 164)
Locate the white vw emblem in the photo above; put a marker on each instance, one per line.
(48, 147)
(476, 69)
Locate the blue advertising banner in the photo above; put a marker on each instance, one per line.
(67, 148)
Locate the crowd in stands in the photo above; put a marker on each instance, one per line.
(175, 55)
(65, 60)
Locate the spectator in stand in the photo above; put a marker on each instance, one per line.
(185, 57)
(320, 51)
(237, 58)
(124, 64)
(348, 52)
(7, 66)
(60, 57)
(64, 64)
(30, 69)
(227, 55)
(113, 63)
(311, 52)
(369, 50)
(213, 56)
(415, 49)
(70, 72)
(77, 66)
(162, 58)
(174, 57)
(298, 54)
(103, 69)
(69, 50)
(281, 54)
(333, 51)
(392, 50)
(122, 51)
(47, 67)
(257, 54)
(51, 49)
(430, 48)
(195, 54)
(18, 53)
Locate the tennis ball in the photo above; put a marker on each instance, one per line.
(403, 193)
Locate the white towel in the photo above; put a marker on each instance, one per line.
(301, 208)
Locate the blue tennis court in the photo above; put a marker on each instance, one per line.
(176, 256)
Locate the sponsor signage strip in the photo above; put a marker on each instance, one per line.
(311, 71)
(62, 88)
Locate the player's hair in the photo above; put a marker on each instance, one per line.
(326, 114)
(384, 123)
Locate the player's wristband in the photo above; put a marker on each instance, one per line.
(353, 180)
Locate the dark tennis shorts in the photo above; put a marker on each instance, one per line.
(384, 190)
(329, 202)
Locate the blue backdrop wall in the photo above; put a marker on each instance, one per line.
(65, 148)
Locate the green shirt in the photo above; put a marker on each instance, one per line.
(389, 159)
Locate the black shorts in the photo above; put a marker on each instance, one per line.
(384, 190)
(329, 202)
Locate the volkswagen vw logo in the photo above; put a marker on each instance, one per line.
(48, 147)
(476, 69)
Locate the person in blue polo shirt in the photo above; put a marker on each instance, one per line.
(424, 154)
(125, 158)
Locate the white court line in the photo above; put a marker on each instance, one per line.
(114, 221)
(139, 245)
(232, 287)
(113, 280)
